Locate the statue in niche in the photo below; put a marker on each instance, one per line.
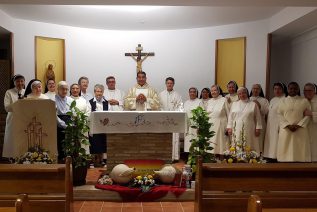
(50, 65)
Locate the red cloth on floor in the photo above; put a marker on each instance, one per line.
(135, 194)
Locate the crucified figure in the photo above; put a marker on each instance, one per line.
(137, 57)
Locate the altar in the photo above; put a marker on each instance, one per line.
(138, 134)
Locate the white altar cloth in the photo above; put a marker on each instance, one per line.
(138, 122)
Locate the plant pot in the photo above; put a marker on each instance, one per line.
(79, 175)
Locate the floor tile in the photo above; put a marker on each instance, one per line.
(112, 204)
(151, 204)
(113, 209)
(170, 204)
(90, 209)
(131, 209)
(93, 204)
(152, 209)
(172, 209)
(187, 204)
(132, 204)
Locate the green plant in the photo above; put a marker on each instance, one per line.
(200, 145)
(76, 136)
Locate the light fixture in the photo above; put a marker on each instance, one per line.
(125, 8)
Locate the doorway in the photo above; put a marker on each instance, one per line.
(6, 71)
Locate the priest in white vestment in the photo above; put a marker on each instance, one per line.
(83, 83)
(12, 95)
(257, 96)
(293, 142)
(189, 105)
(232, 95)
(141, 97)
(114, 96)
(273, 122)
(309, 92)
(218, 111)
(245, 113)
(172, 101)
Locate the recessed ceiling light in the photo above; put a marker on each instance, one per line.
(126, 8)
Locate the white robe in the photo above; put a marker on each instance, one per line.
(115, 94)
(82, 105)
(293, 146)
(204, 103)
(233, 98)
(172, 101)
(246, 113)
(218, 111)
(191, 133)
(32, 96)
(312, 129)
(264, 111)
(10, 97)
(152, 99)
(87, 96)
(50, 95)
(272, 129)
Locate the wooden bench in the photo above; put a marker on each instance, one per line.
(227, 187)
(41, 182)
(255, 204)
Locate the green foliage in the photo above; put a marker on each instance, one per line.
(75, 135)
(200, 145)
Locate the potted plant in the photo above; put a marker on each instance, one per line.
(200, 145)
(75, 138)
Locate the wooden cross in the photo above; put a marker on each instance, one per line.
(138, 57)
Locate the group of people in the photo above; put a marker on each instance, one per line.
(282, 129)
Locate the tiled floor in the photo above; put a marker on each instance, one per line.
(96, 206)
(100, 206)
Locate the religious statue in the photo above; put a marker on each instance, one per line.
(50, 72)
(138, 57)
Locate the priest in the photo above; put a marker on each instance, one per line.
(113, 95)
(142, 97)
(172, 101)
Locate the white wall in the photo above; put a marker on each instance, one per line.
(187, 55)
(5, 21)
(295, 59)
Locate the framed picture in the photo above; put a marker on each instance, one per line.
(49, 59)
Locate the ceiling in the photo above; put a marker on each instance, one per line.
(267, 3)
(156, 15)
(138, 17)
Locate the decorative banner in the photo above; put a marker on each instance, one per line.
(138, 122)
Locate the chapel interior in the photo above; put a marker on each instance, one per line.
(266, 41)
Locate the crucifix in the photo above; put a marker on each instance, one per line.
(137, 57)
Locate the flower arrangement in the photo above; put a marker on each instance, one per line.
(144, 182)
(35, 155)
(105, 180)
(239, 151)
